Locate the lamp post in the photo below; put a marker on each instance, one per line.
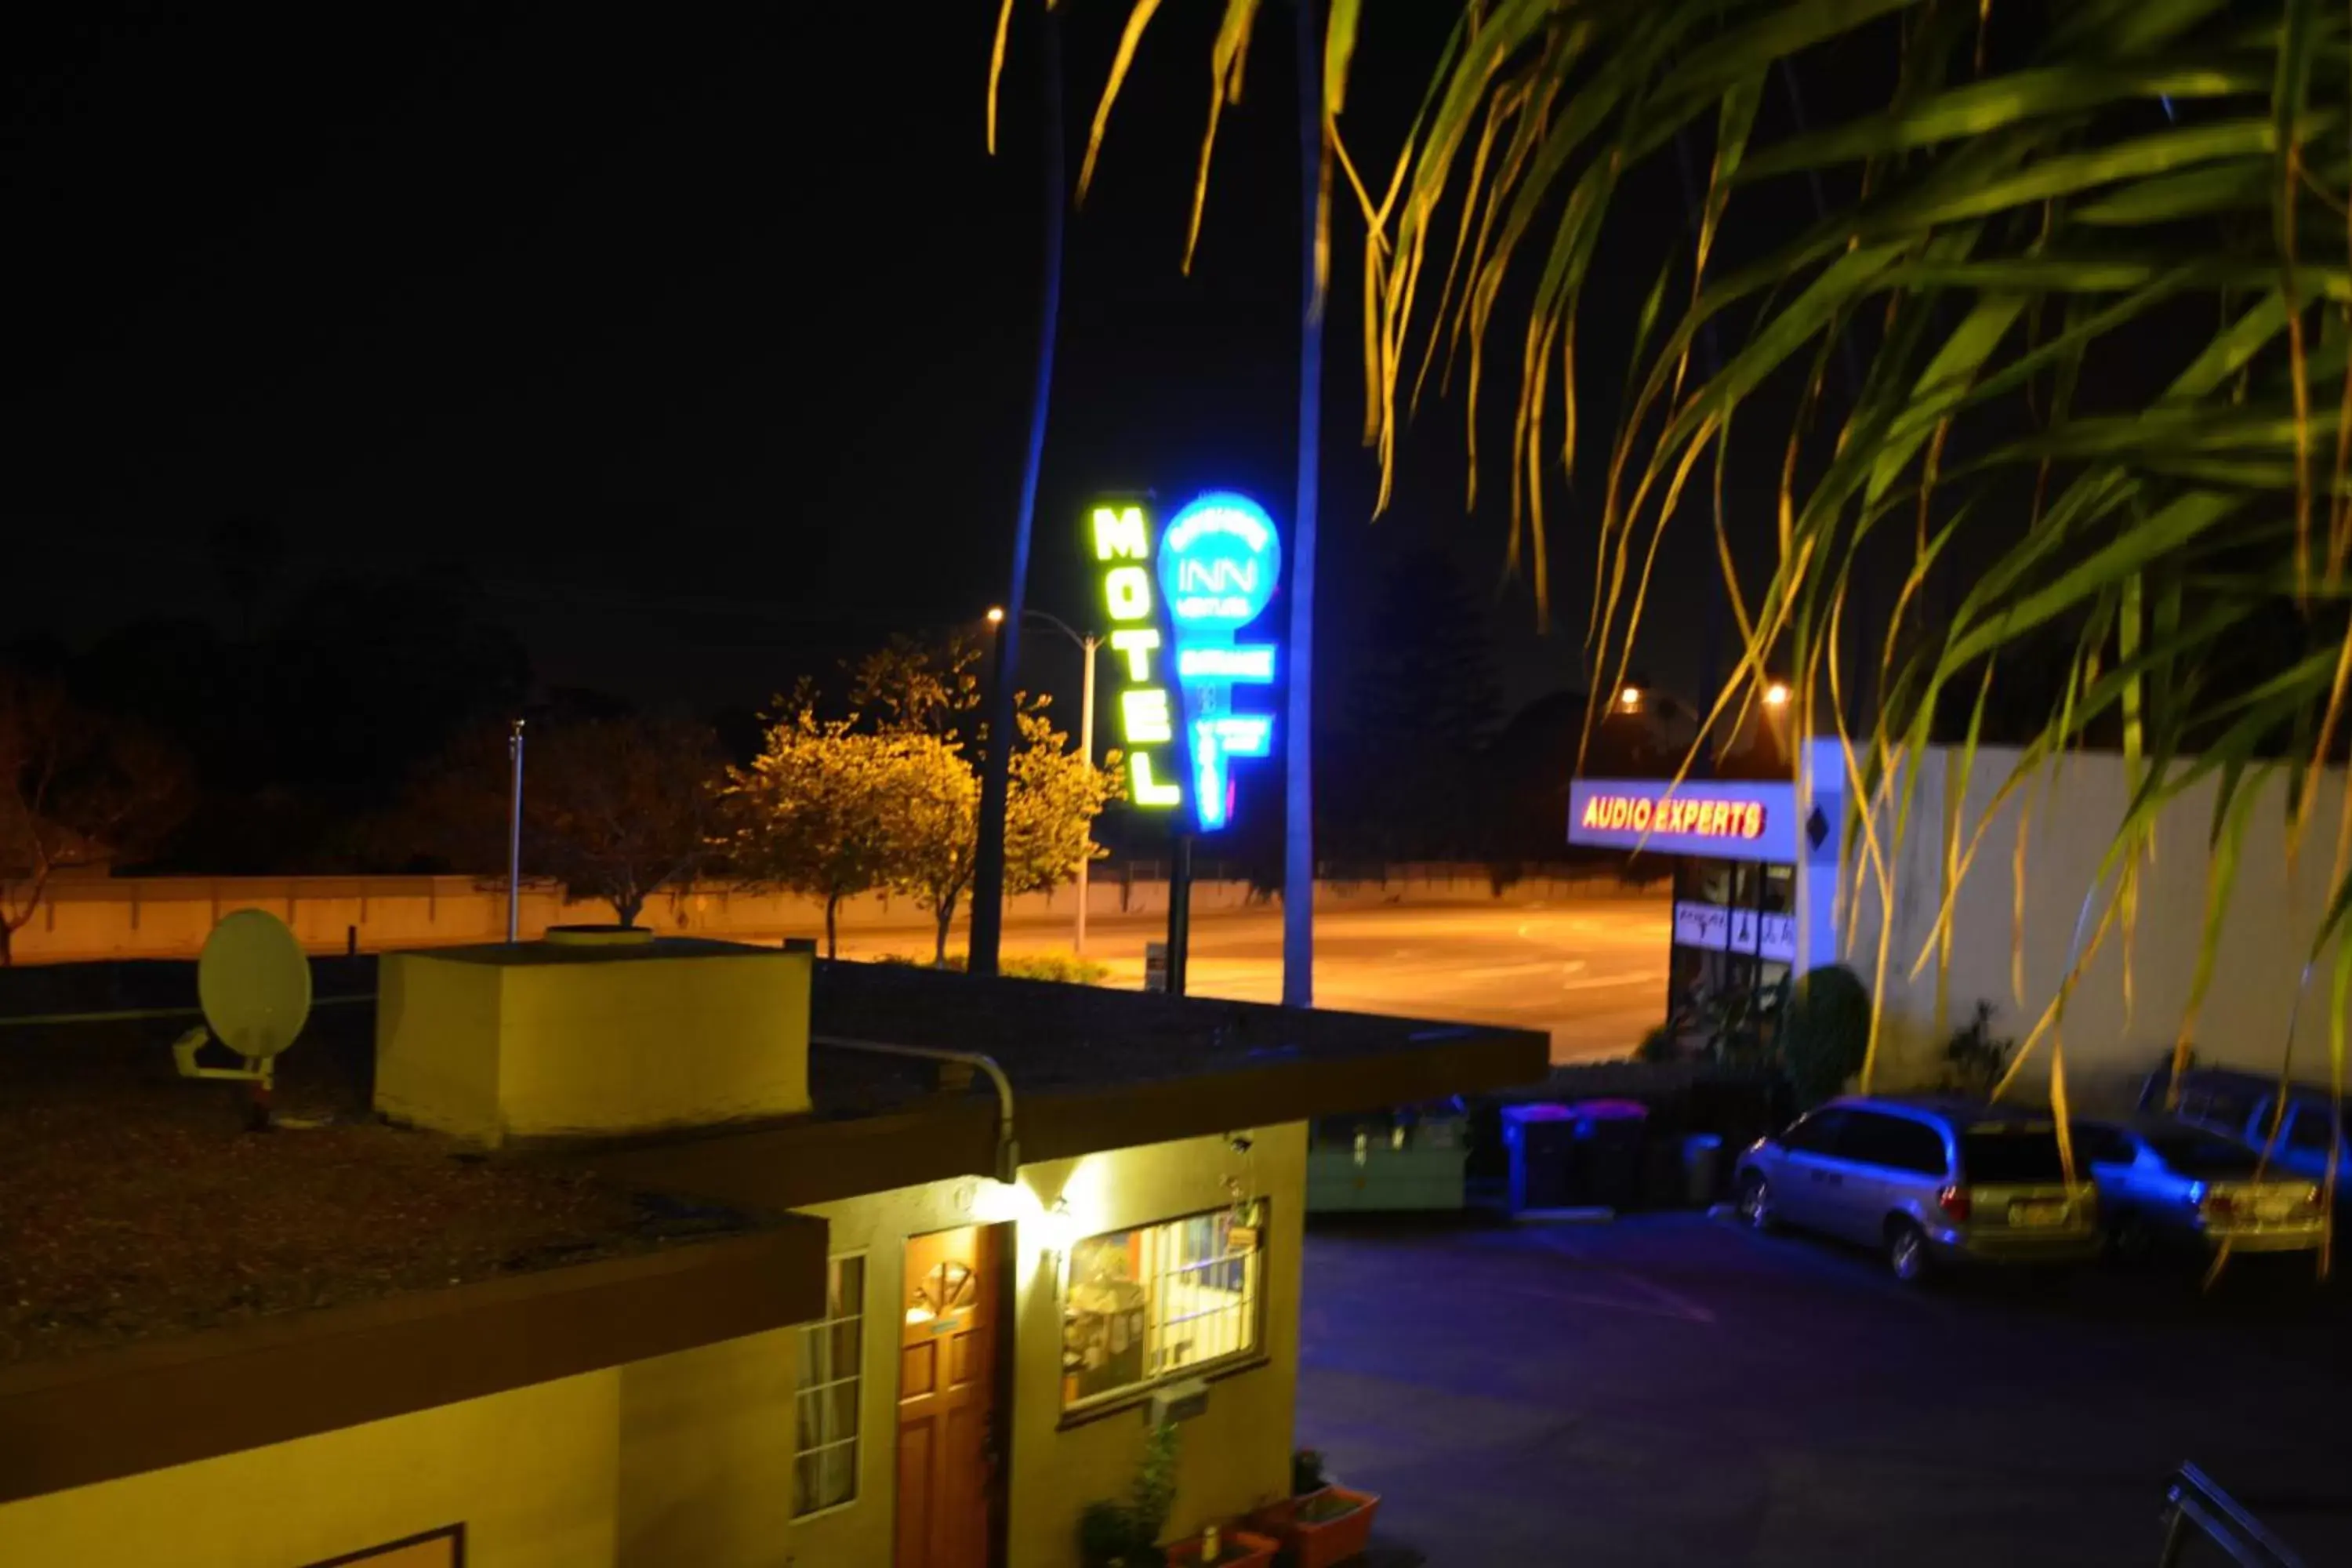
(1089, 646)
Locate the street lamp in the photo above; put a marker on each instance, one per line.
(1776, 694)
(1090, 647)
(1630, 699)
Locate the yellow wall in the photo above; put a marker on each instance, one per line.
(436, 1046)
(707, 1455)
(532, 1473)
(486, 1048)
(2069, 817)
(629, 1044)
(686, 1460)
(1233, 1459)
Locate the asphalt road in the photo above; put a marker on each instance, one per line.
(1591, 973)
(1675, 1389)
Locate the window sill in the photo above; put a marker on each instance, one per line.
(1129, 1399)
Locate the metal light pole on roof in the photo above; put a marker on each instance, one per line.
(1090, 647)
(514, 838)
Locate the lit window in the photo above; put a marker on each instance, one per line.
(1158, 1301)
(824, 1449)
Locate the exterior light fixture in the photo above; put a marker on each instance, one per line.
(1058, 1229)
(1776, 695)
(1630, 699)
(995, 614)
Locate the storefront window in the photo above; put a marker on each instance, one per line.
(1157, 1301)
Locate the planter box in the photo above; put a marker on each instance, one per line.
(1242, 1549)
(1319, 1544)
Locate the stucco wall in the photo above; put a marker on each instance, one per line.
(168, 916)
(2068, 818)
(1234, 1457)
(532, 1473)
(484, 1049)
(705, 1459)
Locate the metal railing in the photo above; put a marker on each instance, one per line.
(2194, 1505)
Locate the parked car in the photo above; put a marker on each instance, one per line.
(2314, 1127)
(1928, 1181)
(2165, 1184)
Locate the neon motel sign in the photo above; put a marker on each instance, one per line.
(1215, 572)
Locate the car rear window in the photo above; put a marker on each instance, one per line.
(2202, 1154)
(2011, 1154)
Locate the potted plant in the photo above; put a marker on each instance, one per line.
(1125, 1533)
(1324, 1524)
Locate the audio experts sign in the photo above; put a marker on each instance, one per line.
(1178, 611)
(1730, 819)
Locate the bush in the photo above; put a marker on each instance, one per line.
(1067, 968)
(1973, 1060)
(1660, 1045)
(1824, 1032)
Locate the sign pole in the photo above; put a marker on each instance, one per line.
(514, 838)
(1180, 911)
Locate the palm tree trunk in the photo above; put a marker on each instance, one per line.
(1299, 775)
(995, 777)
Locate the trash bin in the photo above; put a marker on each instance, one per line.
(1607, 1167)
(1702, 1168)
(1542, 1142)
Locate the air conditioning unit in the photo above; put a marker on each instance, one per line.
(1178, 1401)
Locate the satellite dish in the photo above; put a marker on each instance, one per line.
(254, 983)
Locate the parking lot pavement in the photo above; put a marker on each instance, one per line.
(1674, 1389)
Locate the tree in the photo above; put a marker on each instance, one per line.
(614, 809)
(618, 809)
(77, 788)
(820, 810)
(937, 817)
(1055, 795)
(889, 795)
(928, 695)
(918, 687)
(2088, 266)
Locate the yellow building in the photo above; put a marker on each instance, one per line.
(929, 1255)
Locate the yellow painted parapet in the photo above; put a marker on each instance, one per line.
(549, 1040)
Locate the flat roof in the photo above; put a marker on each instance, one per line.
(134, 1206)
(133, 1203)
(1091, 1068)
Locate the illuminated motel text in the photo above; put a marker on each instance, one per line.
(1146, 716)
(1672, 816)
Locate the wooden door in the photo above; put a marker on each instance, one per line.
(947, 1381)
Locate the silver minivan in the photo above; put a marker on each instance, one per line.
(1926, 1180)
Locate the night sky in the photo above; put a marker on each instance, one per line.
(701, 344)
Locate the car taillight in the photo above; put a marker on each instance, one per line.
(1954, 1201)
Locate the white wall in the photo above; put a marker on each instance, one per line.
(2066, 818)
